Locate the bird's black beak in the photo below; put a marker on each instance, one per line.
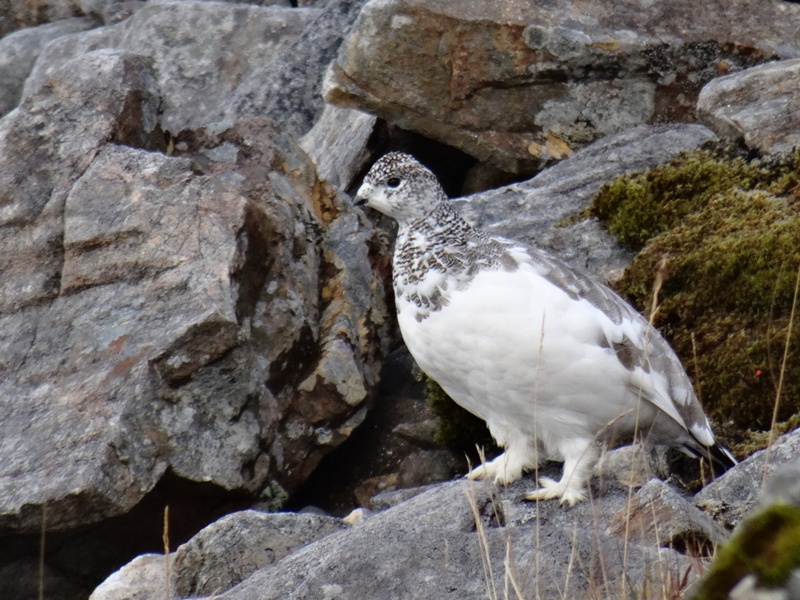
(359, 201)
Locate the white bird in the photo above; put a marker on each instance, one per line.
(556, 363)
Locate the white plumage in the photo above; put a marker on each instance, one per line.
(556, 363)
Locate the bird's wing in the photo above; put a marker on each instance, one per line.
(636, 343)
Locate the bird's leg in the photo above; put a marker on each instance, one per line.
(520, 455)
(580, 456)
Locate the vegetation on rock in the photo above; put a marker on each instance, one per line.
(767, 546)
(724, 234)
(459, 429)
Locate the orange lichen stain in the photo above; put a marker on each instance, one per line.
(723, 67)
(557, 147)
(553, 148)
(537, 150)
(322, 200)
(607, 45)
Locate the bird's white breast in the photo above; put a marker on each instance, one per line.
(515, 348)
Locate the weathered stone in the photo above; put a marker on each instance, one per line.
(658, 516)
(207, 316)
(759, 106)
(425, 466)
(144, 578)
(539, 210)
(233, 548)
(633, 465)
(288, 90)
(18, 14)
(429, 547)
(223, 554)
(47, 145)
(196, 70)
(115, 11)
(734, 494)
(19, 50)
(338, 144)
(526, 83)
(759, 562)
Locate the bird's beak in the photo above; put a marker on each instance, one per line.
(362, 195)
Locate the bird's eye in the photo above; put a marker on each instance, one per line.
(393, 182)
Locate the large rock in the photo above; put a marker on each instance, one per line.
(17, 14)
(288, 90)
(209, 316)
(735, 493)
(19, 50)
(220, 556)
(519, 84)
(201, 51)
(760, 562)
(759, 106)
(338, 144)
(463, 539)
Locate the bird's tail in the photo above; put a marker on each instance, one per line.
(718, 455)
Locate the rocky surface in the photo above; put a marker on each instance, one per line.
(210, 314)
(289, 90)
(19, 51)
(758, 106)
(759, 562)
(196, 72)
(734, 495)
(472, 540)
(522, 84)
(16, 14)
(193, 315)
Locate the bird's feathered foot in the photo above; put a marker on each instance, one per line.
(565, 491)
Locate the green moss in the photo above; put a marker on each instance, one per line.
(273, 497)
(767, 546)
(639, 207)
(459, 429)
(725, 236)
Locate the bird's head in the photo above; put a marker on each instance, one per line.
(400, 187)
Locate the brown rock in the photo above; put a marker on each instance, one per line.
(521, 84)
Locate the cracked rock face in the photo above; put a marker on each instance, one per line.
(521, 84)
(208, 312)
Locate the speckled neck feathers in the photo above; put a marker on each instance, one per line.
(442, 252)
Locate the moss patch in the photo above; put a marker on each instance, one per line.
(725, 234)
(641, 206)
(459, 429)
(766, 546)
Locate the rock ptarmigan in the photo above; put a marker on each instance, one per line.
(556, 363)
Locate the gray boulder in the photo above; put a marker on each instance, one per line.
(469, 540)
(759, 106)
(759, 562)
(735, 493)
(289, 90)
(201, 51)
(19, 50)
(338, 144)
(220, 556)
(203, 315)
